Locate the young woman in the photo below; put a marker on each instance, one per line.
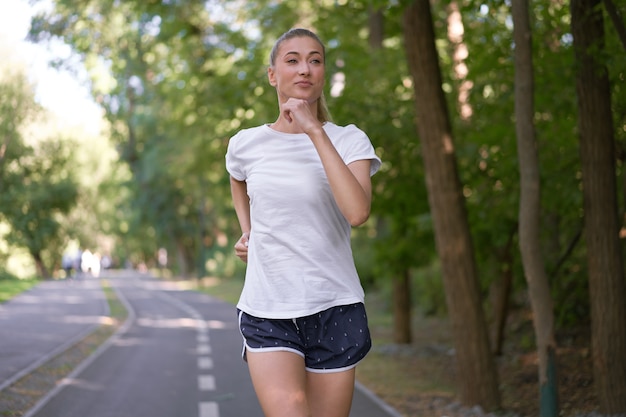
(298, 185)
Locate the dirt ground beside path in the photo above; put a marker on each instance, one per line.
(418, 380)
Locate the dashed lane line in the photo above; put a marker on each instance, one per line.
(205, 363)
(208, 409)
(204, 349)
(206, 382)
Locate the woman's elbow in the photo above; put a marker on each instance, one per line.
(358, 218)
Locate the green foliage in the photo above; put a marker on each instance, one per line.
(428, 292)
(34, 193)
(177, 79)
(37, 185)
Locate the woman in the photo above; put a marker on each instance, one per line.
(298, 185)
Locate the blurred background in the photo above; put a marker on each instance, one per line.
(115, 117)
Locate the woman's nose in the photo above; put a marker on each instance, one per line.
(303, 68)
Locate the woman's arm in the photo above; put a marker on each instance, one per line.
(241, 201)
(351, 185)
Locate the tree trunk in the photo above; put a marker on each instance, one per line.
(597, 152)
(182, 259)
(42, 271)
(402, 283)
(402, 308)
(477, 378)
(377, 28)
(499, 294)
(616, 18)
(530, 211)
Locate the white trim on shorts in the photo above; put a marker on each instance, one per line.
(331, 370)
(261, 350)
(286, 349)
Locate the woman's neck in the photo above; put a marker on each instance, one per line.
(282, 125)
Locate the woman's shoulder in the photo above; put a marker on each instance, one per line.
(249, 132)
(244, 142)
(350, 128)
(338, 132)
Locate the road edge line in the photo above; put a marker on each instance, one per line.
(55, 352)
(130, 319)
(377, 400)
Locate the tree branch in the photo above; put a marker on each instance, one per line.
(618, 23)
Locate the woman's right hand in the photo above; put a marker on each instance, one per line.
(241, 247)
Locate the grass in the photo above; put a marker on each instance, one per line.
(117, 311)
(226, 289)
(10, 287)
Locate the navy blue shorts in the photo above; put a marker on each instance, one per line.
(330, 341)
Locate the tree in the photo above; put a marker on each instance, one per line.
(401, 287)
(477, 376)
(36, 182)
(530, 209)
(16, 106)
(38, 188)
(164, 88)
(604, 254)
(47, 157)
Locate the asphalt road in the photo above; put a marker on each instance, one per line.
(45, 321)
(177, 355)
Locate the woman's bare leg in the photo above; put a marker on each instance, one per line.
(330, 394)
(279, 379)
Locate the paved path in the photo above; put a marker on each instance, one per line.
(44, 321)
(178, 354)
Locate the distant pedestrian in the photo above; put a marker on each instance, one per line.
(298, 185)
(67, 263)
(86, 261)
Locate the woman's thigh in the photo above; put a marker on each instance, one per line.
(330, 394)
(285, 389)
(279, 380)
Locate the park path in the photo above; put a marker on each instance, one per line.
(45, 321)
(178, 354)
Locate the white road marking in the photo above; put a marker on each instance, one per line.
(209, 409)
(204, 350)
(205, 363)
(206, 383)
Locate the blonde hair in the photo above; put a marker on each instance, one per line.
(323, 115)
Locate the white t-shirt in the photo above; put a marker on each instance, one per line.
(299, 254)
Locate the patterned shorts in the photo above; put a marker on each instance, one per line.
(329, 341)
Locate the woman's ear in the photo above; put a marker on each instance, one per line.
(271, 76)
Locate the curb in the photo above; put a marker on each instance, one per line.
(377, 400)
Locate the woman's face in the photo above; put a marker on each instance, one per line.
(298, 71)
